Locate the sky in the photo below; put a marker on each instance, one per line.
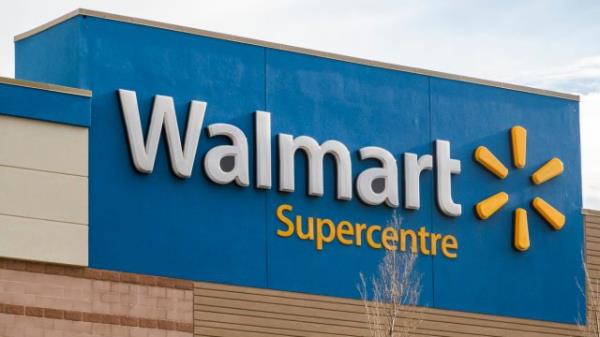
(548, 44)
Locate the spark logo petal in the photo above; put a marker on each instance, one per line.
(551, 169)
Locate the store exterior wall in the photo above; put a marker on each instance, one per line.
(38, 299)
(90, 245)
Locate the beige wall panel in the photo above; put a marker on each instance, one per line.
(43, 145)
(592, 215)
(593, 232)
(43, 195)
(41, 240)
(452, 321)
(306, 321)
(338, 308)
(593, 220)
(265, 306)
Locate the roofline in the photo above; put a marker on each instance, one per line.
(46, 86)
(278, 46)
(591, 212)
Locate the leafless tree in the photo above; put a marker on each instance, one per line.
(592, 327)
(390, 306)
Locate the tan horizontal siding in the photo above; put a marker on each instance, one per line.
(231, 311)
(43, 240)
(592, 245)
(263, 310)
(43, 191)
(43, 195)
(45, 146)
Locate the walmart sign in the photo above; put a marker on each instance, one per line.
(250, 164)
(182, 159)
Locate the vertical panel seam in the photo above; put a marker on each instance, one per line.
(433, 203)
(266, 223)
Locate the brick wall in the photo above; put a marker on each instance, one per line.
(38, 299)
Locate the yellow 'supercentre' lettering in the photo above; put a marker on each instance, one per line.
(325, 231)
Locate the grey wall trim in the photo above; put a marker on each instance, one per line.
(46, 86)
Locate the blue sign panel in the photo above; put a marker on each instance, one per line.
(486, 181)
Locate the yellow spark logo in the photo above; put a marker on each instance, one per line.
(487, 207)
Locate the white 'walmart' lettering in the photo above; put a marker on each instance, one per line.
(182, 157)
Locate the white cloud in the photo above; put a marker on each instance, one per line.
(590, 149)
(582, 77)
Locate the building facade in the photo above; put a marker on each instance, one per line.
(177, 182)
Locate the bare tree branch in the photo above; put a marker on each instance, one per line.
(390, 308)
(592, 287)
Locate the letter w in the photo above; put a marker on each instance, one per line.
(163, 112)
